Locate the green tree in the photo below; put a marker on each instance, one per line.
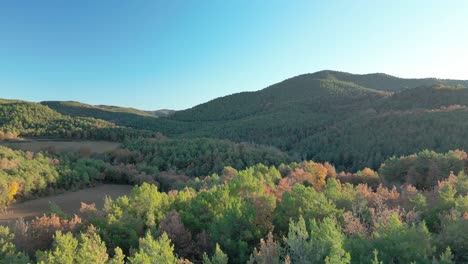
(63, 251)
(154, 251)
(445, 258)
(324, 242)
(218, 257)
(395, 241)
(304, 201)
(267, 253)
(91, 248)
(8, 251)
(235, 229)
(454, 235)
(376, 260)
(297, 243)
(148, 203)
(118, 258)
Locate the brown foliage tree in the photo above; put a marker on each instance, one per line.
(353, 224)
(179, 235)
(267, 253)
(318, 173)
(331, 171)
(38, 234)
(284, 185)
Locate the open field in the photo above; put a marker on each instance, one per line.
(69, 202)
(60, 146)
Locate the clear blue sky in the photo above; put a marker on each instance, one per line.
(176, 54)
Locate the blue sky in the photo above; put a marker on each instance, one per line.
(177, 54)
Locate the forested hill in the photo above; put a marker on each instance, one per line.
(106, 112)
(352, 120)
(426, 97)
(329, 89)
(300, 94)
(25, 119)
(385, 82)
(122, 116)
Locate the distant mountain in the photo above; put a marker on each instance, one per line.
(32, 119)
(122, 116)
(305, 94)
(351, 120)
(128, 117)
(161, 112)
(384, 82)
(105, 112)
(26, 119)
(306, 90)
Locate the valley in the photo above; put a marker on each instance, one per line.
(234, 132)
(323, 166)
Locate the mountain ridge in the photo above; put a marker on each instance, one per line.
(351, 120)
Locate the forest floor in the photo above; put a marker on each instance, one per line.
(69, 202)
(61, 146)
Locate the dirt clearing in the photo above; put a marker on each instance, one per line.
(69, 202)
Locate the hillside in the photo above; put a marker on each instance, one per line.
(35, 119)
(350, 120)
(26, 119)
(304, 93)
(385, 82)
(105, 112)
(121, 116)
(426, 97)
(322, 88)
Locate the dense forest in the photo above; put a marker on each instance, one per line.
(352, 121)
(340, 122)
(168, 163)
(327, 167)
(201, 157)
(300, 212)
(27, 175)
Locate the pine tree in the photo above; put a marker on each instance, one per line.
(154, 251)
(218, 257)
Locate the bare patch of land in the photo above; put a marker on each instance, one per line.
(69, 202)
(61, 146)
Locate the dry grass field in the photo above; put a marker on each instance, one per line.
(61, 146)
(69, 202)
